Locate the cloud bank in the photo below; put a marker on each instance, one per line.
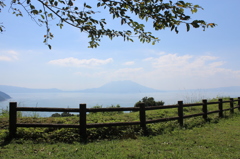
(75, 62)
(172, 71)
(8, 55)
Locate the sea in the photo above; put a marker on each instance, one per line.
(72, 99)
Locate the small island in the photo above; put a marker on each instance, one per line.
(4, 96)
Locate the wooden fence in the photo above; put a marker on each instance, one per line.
(142, 115)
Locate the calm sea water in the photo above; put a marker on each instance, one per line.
(72, 100)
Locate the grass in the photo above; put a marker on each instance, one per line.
(212, 140)
(217, 138)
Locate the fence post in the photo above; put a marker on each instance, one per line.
(239, 103)
(83, 123)
(180, 113)
(142, 115)
(231, 106)
(220, 107)
(204, 109)
(12, 119)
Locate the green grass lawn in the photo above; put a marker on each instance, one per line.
(216, 138)
(213, 140)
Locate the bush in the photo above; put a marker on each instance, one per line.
(115, 106)
(149, 101)
(108, 113)
(64, 114)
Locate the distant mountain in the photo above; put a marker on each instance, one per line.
(111, 87)
(14, 89)
(4, 96)
(121, 87)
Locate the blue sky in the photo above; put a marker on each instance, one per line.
(188, 60)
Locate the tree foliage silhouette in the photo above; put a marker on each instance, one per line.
(82, 15)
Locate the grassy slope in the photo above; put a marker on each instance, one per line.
(198, 139)
(219, 140)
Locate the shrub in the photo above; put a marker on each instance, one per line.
(64, 114)
(149, 101)
(108, 113)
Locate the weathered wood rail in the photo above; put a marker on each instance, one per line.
(83, 110)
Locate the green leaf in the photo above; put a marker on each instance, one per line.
(32, 6)
(61, 25)
(99, 4)
(211, 25)
(87, 6)
(49, 46)
(89, 23)
(195, 24)
(176, 30)
(35, 11)
(188, 26)
(50, 15)
(70, 3)
(194, 10)
(123, 21)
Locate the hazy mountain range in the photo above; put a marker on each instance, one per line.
(4, 96)
(111, 87)
(121, 87)
(14, 89)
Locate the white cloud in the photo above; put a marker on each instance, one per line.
(170, 60)
(129, 63)
(108, 75)
(174, 65)
(216, 64)
(5, 58)
(172, 71)
(8, 55)
(74, 62)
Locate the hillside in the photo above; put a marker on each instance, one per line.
(111, 87)
(4, 96)
(200, 139)
(14, 89)
(121, 87)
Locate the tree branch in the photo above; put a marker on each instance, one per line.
(62, 19)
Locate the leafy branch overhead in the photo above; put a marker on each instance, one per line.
(131, 13)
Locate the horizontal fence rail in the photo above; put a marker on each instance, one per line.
(83, 110)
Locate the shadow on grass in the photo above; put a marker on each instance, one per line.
(7, 140)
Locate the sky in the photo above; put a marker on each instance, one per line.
(188, 60)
